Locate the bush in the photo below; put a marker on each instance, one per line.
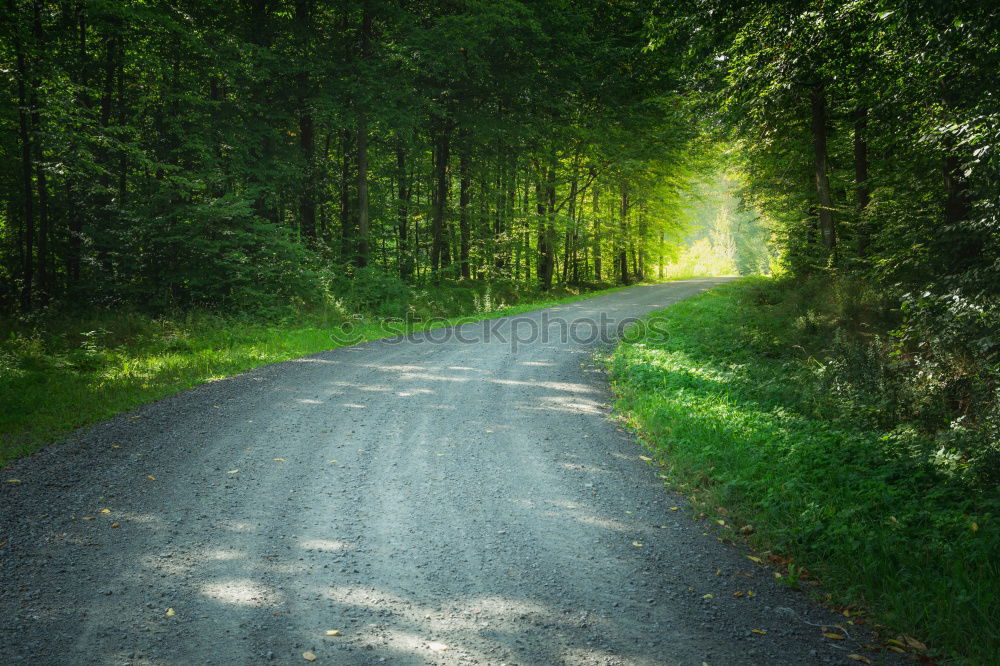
(372, 290)
(810, 432)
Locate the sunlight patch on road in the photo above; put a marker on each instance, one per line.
(568, 387)
(326, 545)
(242, 592)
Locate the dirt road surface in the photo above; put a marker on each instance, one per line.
(458, 497)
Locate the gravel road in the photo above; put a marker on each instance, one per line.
(443, 499)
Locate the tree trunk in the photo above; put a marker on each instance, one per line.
(824, 206)
(640, 250)
(597, 235)
(24, 133)
(403, 216)
(660, 261)
(307, 199)
(75, 245)
(571, 228)
(499, 261)
(363, 235)
(862, 189)
(440, 200)
(547, 232)
(347, 233)
(622, 241)
(463, 217)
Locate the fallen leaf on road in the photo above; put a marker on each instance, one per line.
(232, 471)
(721, 522)
(279, 460)
(833, 637)
(674, 508)
(637, 544)
(309, 656)
(88, 517)
(749, 593)
(758, 631)
(858, 657)
(737, 594)
(708, 596)
(151, 477)
(646, 458)
(332, 461)
(333, 632)
(115, 524)
(13, 480)
(171, 612)
(105, 510)
(437, 647)
(754, 559)
(914, 643)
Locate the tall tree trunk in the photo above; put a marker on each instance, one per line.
(499, 260)
(259, 33)
(24, 133)
(44, 272)
(440, 200)
(540, 244)
(571, 228)
(640, 250)
(463, 217)
(818, 127)
(660, 260)
(307, 198)
(363, 232)
(403, 215)
(623, 240)
(547, 232)
(347, 232)
(862, 190)
(76, 215)
(597, 234)
(44, 288)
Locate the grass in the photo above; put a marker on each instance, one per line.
(723, 391)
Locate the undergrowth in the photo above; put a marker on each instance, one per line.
(740, 393)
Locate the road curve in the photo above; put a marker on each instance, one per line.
(458, 497)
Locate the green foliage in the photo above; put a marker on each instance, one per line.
(227, 157)
(735, 389)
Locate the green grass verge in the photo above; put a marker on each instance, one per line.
(63, 374)
(738, 415)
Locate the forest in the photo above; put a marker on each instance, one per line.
(261, 161)
(255, 154)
